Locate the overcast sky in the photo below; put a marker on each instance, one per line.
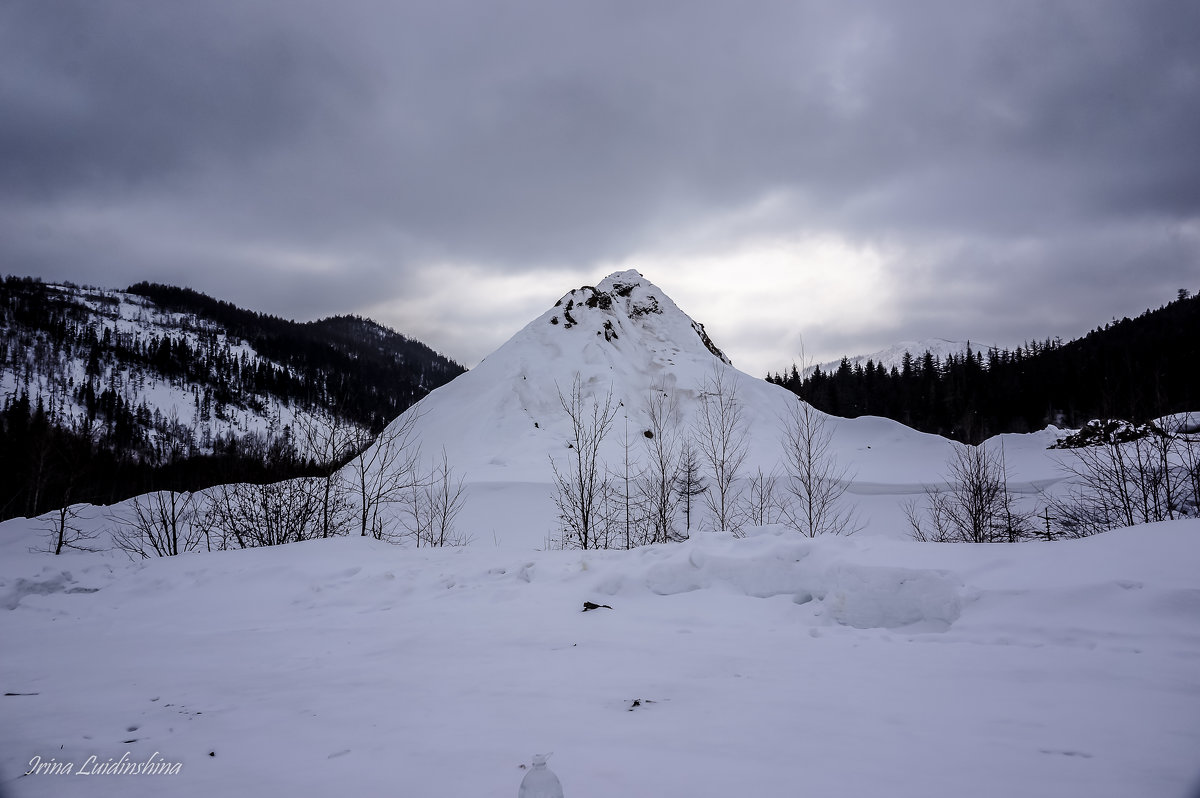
(838, 176)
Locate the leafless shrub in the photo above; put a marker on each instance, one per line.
(1188, 449)
(815, 483)
(330, 442)
(383, 474)
(579, 482)
(720, 435)
(976, 507)
(161, 524)
(247, 516)
(762, 505)
(63, 532)
(689, 481)
(663, 448)
(623, 518)
(433, 506)
(1120, 478)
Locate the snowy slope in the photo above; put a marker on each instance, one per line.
(50, 374)
(502, 423)
(765, 666)
(893, 355)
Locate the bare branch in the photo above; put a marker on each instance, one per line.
(721, 438)
(815, 483)
(161, 524)
(579, 483)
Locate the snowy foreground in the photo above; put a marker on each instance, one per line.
(769, 666)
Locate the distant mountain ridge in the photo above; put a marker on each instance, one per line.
(893, 355)
(156, 375)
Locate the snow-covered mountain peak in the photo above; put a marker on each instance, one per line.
(620, 340)
(626, 303)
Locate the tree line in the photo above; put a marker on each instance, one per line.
(1136, 369)
(374, 373)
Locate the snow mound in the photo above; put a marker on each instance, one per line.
(892, 598)
(502, 424)
(777, 563)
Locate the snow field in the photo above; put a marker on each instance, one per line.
(770, 665)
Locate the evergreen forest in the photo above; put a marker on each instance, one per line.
(1133, 369)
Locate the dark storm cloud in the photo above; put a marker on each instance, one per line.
(307, 158)
(117, 94)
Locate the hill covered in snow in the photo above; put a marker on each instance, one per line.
(624, 342)
(131, 380)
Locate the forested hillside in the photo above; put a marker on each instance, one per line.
(1135, 369)
(104, 394)
(368, 372)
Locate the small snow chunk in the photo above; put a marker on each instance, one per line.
(878, 597)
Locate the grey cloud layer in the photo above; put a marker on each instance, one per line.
(228, 141)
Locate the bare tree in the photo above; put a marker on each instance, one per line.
(623, 511)
(65, 533)
(975, 507)
(161, 524)
(1188, 452)
(247, 515)
(689, 482)
(384, 473)
(1122, 474)
(815, 483)
(448, 496)
(329, 441)
(762, 505)
(579, 483)
(416, 514)
(433, 505)
(720, 433)
(663, 448)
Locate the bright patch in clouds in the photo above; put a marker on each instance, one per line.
(467, 310)
(766, 300)
(763, 300)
